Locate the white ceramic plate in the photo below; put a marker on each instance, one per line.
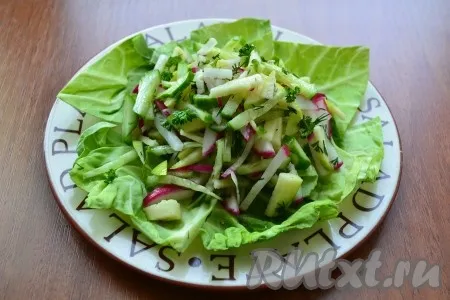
(360, 213)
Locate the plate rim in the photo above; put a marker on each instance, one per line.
(93, 242)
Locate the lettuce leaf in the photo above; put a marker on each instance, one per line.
(253, 31)
(365, 141)
(362, 152)
(341, 73)
(124, 194)
(100, 88)
(222, 230)
(98, 135)
(98, 158)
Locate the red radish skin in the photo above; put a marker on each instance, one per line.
(286, 150)
(338, 165)
(264, 148)
(199, 168)
(247, 132)
(298, 201)
(136, 89)
(209, 142)
(163, 108)
(194, 69)
(230, 204)
(255, 175)
(166, 192)
(141, 123)
(219, 101)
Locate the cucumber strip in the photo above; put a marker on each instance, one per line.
(223, 183)
(253, 167)
(147, 88)
(292, 123)
(306, 89)
(169, 179)
(193, 157)
(218, 163)
(162, 150)
(194, 125)
(161, 62)
(192, 145)
(170, 102)
(236, 86)
(243, 118)
(161, 169)
(148, 141)
(298, 156)
(319, 151)
(227, 146)
(178, 87)
(171, 138)
(185, 152)
(192, 136)
(182, 69)
(210, 44)
(232, 105)
(121, 161)
(273, 114)
(201, 114)
(205, 101)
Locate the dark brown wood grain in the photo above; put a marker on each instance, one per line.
(44, 42)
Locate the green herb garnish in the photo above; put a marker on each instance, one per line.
(246, 50)
(167, 76)
(110, 176)
(179, 118)
(292, 94)
(307, 124)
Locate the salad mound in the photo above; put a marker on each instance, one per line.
(227, 135)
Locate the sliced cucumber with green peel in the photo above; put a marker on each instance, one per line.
(147, 89)
(318, 144)
(284, 193)
(205, 101)
(178, 87)
(298, 157)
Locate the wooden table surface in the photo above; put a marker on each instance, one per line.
(44, 42)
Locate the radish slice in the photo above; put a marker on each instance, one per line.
(165, 192)
(305, 104)
(209, 142)
(136, 89)
(277, 161)
(200, 84)
(199, 168)
(235, 181)
(231, 205)
(264, 148)
(247, 132)
(171, 138)
(241, 158)
(299, 197)
(163, 108)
